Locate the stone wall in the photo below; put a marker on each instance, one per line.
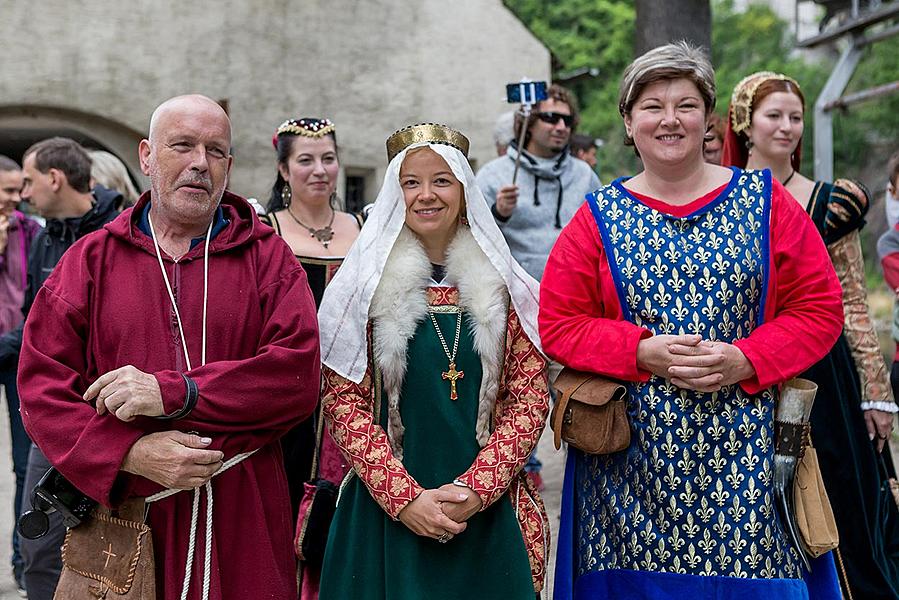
(372, 66)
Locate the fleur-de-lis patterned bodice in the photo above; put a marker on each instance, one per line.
(693, 492)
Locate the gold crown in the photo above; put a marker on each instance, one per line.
(744, 94)
(431, 133)
(314, 128)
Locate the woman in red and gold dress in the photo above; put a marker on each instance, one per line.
(436, 391)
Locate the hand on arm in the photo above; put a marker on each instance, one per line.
(708, 366)
(127, 393)
(173, 459)
(461, 511)
(425, 515)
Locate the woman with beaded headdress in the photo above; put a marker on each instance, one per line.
(703, 289)
(853, 413)
(303, 210)
(435, 389)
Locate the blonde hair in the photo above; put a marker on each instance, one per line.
(110, 172)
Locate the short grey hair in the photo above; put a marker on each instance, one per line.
(504, 129)
(679, 60)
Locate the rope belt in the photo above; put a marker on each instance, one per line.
(194, 517)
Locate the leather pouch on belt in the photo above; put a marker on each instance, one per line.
(590, 413)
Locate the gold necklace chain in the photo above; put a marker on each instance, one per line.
(451, 374)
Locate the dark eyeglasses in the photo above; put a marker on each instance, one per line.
(553, 117)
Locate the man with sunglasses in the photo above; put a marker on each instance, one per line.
(550, 188)
(551, 184)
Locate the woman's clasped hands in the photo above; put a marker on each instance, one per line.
(693, 363)
(441, 513)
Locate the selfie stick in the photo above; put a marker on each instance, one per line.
(529, 95)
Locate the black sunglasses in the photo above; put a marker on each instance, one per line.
(553, 117)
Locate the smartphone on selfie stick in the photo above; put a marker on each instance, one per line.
(527, 93)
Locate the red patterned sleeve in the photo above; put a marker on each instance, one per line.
(520, 416)
(351, 422)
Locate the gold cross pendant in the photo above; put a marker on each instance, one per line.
(453, 375)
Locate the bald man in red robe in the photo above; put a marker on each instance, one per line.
(179, 336)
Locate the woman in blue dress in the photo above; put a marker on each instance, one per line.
(703, 289)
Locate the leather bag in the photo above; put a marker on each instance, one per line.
(110, 556)
(590, 413)
(814, 516)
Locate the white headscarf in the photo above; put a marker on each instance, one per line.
(344, 310)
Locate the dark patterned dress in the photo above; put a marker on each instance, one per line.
(855, 475)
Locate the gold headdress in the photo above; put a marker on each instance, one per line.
(744, 94)
(425, 132)
(307, 127)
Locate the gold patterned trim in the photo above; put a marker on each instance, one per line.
(313, 128)
(744, 95)
(432, 133)
(319, 260)
(444, 309)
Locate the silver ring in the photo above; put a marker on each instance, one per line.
(444, 538)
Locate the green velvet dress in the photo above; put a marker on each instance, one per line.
(370, 556)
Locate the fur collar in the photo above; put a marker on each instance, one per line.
(399, 304)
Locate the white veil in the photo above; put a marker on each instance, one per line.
(343, 314)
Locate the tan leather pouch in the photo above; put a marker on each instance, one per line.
(590, 413)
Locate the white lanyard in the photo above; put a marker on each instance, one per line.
(208, 486)
(168, 288)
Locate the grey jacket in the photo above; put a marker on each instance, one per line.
(550, 190)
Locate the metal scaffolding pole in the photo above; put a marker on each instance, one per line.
(832, 91)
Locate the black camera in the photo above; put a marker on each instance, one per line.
(54, 493)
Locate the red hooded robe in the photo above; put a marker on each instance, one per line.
(106, 306)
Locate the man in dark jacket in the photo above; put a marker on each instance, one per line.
(57, 183)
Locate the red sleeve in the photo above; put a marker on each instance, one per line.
(348, 410)
(520, 417)
(243, 404)
(890, 265)
(804, 309)
(581, 321)
(285, 370)
(86, 448)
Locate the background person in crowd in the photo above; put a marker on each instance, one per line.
(888, 249)
(891, 200)
(714, 140)
(504, 132)
(17, 232)
(677, 282)
(551, 186)
(854, 410)
(435, 388)
(107, 170)
(584, 148)
(57, 184)
(183, 315)
(305, 195)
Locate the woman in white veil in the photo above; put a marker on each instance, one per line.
(435, 388)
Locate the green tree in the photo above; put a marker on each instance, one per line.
(590, 33)
(600, 33)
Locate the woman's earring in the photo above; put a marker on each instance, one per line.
(749, 146)
(286, 195)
